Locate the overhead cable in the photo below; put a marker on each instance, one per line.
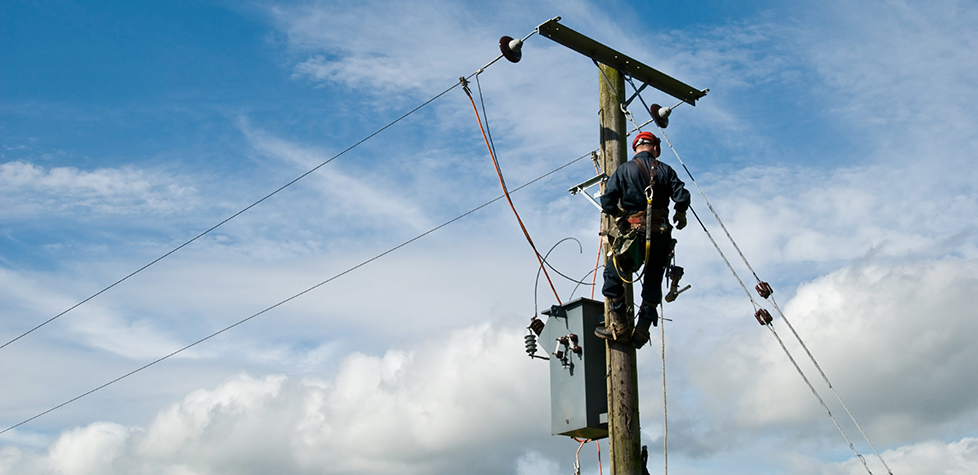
(536, 281)
(788, 323)
(283, 302)
(235, 215)
(774, 303)
(502, 183)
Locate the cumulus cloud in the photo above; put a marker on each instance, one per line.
(843, 214)
(925, 458)
(897, 355)
(431, 409)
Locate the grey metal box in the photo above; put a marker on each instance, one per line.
(578, 386)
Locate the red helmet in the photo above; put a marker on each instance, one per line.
(646, 136)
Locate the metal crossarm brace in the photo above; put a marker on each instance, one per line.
(601, 53)
(582, 188)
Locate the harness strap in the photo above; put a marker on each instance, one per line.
(646, 173)
(649, 176)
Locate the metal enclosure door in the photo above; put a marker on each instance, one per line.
(578, 387)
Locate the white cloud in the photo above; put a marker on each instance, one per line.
(395, 54)
(533, 463)
(925, 458)
(29, 190)
(348, 195)
(881, 230)
(90, 449)
(909, 70)
(428, 410)
(36, 298)
(385, 47)
(895, 340)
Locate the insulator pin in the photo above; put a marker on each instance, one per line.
(763, 316)
(764, 289)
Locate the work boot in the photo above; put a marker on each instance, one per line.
(647, 317)
(648, 311)
(613, 332)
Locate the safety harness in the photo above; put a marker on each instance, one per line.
(646, 218)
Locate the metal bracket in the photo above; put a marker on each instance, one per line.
(582, 188)
(637, 91)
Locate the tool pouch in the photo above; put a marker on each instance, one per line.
(628, 250)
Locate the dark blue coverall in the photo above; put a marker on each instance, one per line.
(626, 188)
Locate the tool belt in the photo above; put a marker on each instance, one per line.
(659, 221)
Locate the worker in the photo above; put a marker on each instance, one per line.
(625, 200)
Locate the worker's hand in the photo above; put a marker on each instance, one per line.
(680, 220)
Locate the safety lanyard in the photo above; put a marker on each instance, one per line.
(648, 201)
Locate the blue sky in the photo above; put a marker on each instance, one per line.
(837, 142)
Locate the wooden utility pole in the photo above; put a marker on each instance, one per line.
(624, 436)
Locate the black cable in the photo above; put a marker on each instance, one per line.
(551, 266)
(536, 281)
(310, 289)
(100, 292)
(582, 282)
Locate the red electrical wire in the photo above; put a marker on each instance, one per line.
(600, 470)
(597, 443)
(597, 260)
(502, 183)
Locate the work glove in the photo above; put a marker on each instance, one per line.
(680, 219)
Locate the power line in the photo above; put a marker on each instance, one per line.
(235, 215)
(293, 297)
(351, 147)
(768, 295)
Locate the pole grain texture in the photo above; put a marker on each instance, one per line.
(624, 434)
